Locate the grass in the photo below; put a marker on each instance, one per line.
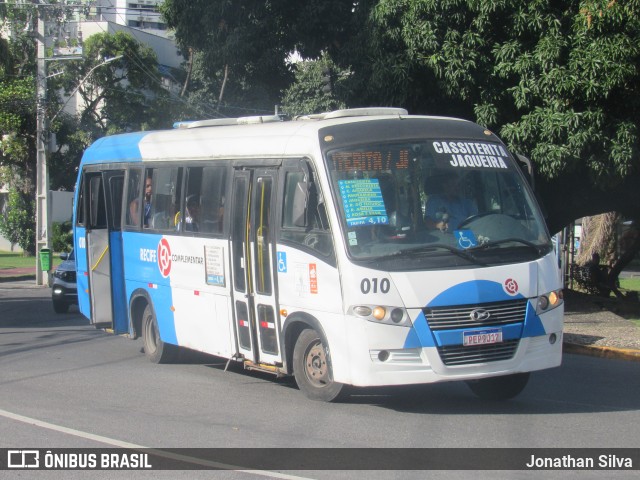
(632, 283)
(17, 260)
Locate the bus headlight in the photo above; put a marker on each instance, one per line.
(549, 301)
(382, 314)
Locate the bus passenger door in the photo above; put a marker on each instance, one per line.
(104, 193)
(256, 318)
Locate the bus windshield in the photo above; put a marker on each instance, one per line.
(435, 204)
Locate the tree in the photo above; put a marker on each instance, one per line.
(17, 127)
(17, 221)
(243, 46)
(558, 81)
(119, 95)
(315, 89)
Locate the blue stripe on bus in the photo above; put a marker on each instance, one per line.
(142, 271)
(121, 148)
(477, 291)
(532, 324)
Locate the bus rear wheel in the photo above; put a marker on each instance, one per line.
(154, 348)
(312, 369)
(499, 388)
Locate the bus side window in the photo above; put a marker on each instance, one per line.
(116, 189)
(214, 184)
(160, 207)
(189, 219)
(80, 207)
(205, 199)
(133, 215)
(304, 217)
(97, 204)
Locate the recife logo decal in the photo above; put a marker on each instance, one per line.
(164, 257)
(511, 286)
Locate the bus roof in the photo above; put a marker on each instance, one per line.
(246, 137)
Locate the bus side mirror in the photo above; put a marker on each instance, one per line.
(527, 168)
(300, 199)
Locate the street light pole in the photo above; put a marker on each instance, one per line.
(106, 60)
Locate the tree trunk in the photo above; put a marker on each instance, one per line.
(598, 236)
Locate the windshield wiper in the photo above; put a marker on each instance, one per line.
(485, 246)
(425, 249)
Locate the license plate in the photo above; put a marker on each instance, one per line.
(482, 337)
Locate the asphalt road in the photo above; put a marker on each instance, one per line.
(65, 384)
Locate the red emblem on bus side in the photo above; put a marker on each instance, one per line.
(511, 286)
(164, 257)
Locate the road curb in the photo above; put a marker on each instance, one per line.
(17, 278)
(602, 352)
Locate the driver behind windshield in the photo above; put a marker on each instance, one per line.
(449, 208)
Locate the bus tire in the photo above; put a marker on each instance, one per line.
(312, 368)
(499, 388)
(154, 348)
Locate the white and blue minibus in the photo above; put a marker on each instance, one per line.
(360, 247)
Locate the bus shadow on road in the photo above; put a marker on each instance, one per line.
(555, 391)
(610, 387)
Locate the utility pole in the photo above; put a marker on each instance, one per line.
(43, 196)
(43, 222)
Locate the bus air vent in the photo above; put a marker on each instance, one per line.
(220, 122)
(477, 315)
(355, 112)
(461, 355)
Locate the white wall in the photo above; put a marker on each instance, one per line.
(61, 204)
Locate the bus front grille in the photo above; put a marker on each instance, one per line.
(474, 316)
(461, 355)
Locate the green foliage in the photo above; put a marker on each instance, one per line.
(17, 223)
(558, 82)
(61, 236)
(305, 95)
(17, 121)
(241, 48)
(119, 94)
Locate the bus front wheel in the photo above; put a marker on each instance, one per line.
(312, 369)
(499, 388)
(154, 348)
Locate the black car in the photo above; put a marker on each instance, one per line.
(63, 289)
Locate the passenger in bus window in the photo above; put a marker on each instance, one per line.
(448, 209)
(192, 214)
(148, 184)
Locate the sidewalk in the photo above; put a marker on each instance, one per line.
(15, 274)
(601, 326)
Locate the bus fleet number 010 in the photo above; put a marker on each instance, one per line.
(371, 285)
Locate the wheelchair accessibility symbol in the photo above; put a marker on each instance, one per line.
(466, 239)
(282, 262)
